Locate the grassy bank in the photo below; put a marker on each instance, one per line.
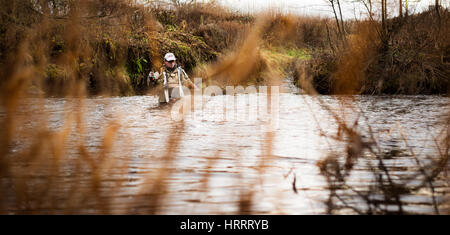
(111, 46)
(411, 56)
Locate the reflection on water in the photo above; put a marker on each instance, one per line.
(229, 152)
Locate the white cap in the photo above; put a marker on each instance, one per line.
(169, 57)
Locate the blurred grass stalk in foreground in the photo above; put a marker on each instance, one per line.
(40, 174)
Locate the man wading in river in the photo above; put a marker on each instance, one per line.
(172, 78)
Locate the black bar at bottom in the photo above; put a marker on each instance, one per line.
(223, 224)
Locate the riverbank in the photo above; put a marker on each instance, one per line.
(110, 47)
(411, 56)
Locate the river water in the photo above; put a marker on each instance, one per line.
(230, 153)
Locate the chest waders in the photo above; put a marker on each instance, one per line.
(166, 88)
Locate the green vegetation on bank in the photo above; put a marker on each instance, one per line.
(112, 45)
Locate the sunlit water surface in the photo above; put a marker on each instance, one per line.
(230, 152)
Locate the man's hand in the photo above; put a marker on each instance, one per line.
(153, 76)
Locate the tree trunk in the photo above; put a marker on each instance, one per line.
(383, 19)
(369, 8)
(384, 33)
(438, 12)
(342, 21)
(336, 17)
(400, 8)
(406, 8)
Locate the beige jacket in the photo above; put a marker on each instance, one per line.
(174, 78)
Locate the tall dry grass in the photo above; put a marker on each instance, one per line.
(410, 57)
(352, 64)
(86, 50)
(35, 160)
(369, 62)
